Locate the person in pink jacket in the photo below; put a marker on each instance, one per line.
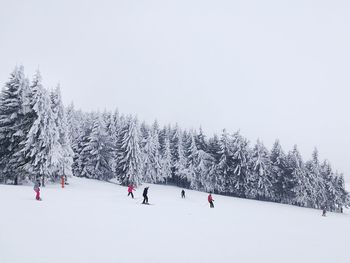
(210, 200)
(130, 189)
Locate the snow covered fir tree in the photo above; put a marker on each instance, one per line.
(40, 138)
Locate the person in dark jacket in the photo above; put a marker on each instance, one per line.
(324, 211)
(183, 193)
(145, 197)
(37, 189)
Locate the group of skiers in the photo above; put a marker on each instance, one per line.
(131, 188)
(144, 194)
(37, 186)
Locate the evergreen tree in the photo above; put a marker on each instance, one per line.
(226, 164)
(318, 188)
(42, 139)
(192, 158)
(98, 150)
(212, 178)
(111, 126)
(165, 163)
(300, 191)
(201, 142)
(261, 180)
(342, 198)
(13, 124)
(75, 120)
(112, 133)
(240, 157)
(105, 120)
(204, 166)
(151, 156)
(81, 158)
(178, 159)
(281, 184)
(65, 153)
(203, 162)
(129, 154)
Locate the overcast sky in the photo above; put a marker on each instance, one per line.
(273, 69)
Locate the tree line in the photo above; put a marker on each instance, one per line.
(41, 138)
(34, 140)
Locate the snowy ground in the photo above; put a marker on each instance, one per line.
(91, 221)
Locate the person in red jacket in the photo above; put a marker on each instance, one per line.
(130, 189)
(62, 181)
(210, 200)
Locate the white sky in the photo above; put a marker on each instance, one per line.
(273, 69)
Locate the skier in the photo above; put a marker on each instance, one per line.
(183, 193)
(324, 211)
(211, 200)
(65, 180)
(37, 189)
(145, 197)
(130, 189)
(62, 181)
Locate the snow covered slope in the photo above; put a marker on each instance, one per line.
(92, 221)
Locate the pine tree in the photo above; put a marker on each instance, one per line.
(75, 122)
(178, 159)
(240, 156)
(42, 139)
(212, 179)
(129, 154)
(105, 120)
(300, 186)
(204, 166)
(98, 150)
(201, 142)
(165, 163)
(330, 191)
(111, 126)
(13, 125)
(156, 151)
(192, 161)
(342, 197)
(112, 132)
(318, 188)
(261, 180)
(226, 164)
(280, 181)
(65, 153)
(199, 162)
(163, 135)
(151, 156)
(81, 157)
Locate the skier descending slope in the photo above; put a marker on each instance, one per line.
(37, 189)
(183, 193)
(210, 200)
(145, 197)
(130, 189)
(62, 181)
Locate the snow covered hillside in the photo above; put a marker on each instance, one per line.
(93, 221)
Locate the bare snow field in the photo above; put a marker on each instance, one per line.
(92, 221)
